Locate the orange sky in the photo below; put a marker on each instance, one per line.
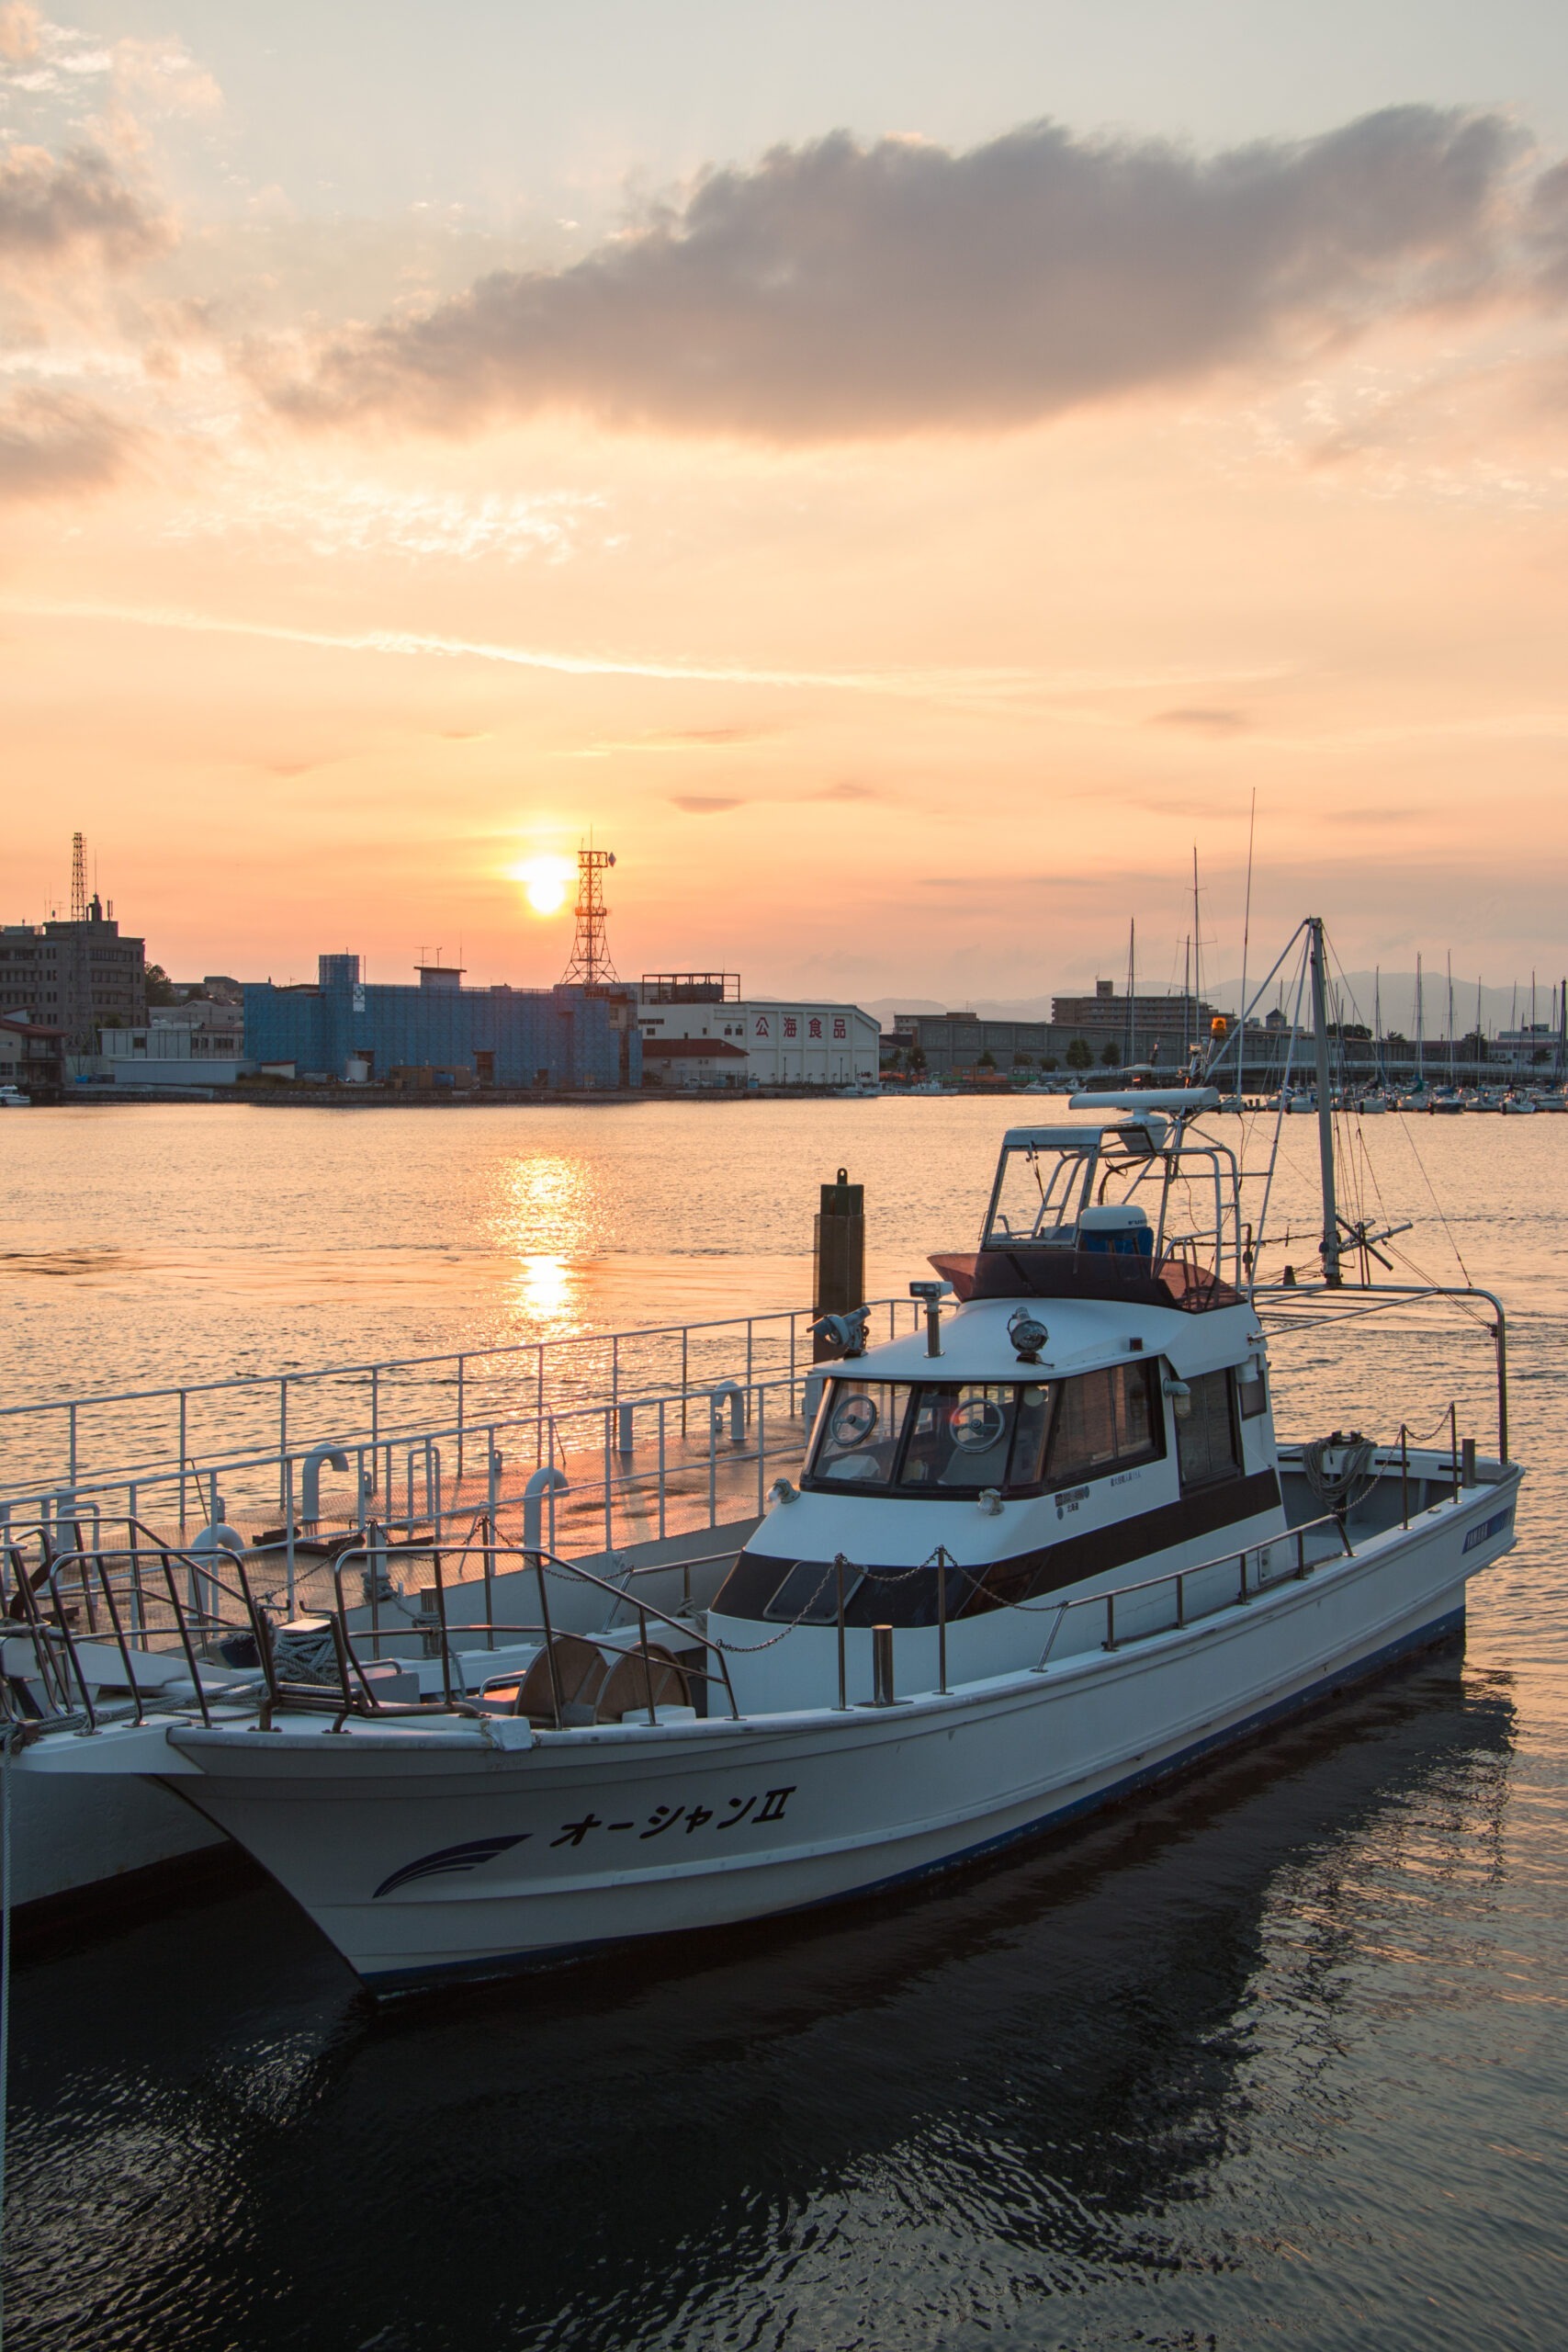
(900, 631)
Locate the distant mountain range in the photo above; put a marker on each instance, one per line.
(1500, 1009)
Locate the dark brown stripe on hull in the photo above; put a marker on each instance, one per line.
(904, 1600)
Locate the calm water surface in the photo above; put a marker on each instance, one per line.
(1278, 2056)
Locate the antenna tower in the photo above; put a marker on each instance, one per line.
(78, 879)
(591, 966)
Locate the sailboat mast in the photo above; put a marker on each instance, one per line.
(1130, 1055)
(1197, 958)
(1331, 1274)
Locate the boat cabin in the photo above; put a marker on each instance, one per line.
(1100, 1399)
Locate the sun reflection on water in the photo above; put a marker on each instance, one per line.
(549, 1294)
(545, 1220)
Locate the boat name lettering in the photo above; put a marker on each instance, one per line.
(771, 1807)
(1070, 1498)
(1494, 1526)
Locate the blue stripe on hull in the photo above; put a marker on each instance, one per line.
(556, 1955)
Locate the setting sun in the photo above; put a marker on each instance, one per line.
(545, 881)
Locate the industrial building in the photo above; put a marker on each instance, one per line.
(698, 1031)
(186, 1044)
(439, 1033)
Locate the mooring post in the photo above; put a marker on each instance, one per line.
(838, 1255)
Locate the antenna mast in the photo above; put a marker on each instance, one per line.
(78, 879)
(591, 966)
(1331, 1274)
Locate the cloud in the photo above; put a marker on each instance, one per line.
(840, 291)
(54, 209)
(55, 444)
(19, 28)
(1205, 721)
(710, 804)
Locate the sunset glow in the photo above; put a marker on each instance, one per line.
(545, 881)
(902, 542)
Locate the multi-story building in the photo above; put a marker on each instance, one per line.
(1102, 1027)
(78, 977)
(1174, 1024)
(343, 1027)
(698, 1031)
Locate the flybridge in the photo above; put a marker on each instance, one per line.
(1141, 1210)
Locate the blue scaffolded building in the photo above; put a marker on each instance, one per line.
(350, 1029)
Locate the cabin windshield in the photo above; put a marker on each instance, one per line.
(959, 1437)
(882, 1437)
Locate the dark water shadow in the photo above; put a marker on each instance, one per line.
(218, 2141)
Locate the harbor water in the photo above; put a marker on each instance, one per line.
(1274, 2055)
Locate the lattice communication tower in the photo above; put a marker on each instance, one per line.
(591, 966)
(78, 879)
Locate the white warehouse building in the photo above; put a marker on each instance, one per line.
(698, 1031)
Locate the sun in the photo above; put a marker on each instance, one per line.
(544, 881)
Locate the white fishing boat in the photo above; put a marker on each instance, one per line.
(1041, 1552)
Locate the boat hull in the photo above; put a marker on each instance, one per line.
(423, 1856)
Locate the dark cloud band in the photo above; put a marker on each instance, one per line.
(839, 290)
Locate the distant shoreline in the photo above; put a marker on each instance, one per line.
(496, 1098)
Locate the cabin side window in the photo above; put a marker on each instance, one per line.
(1106, 1420)
(1252, 1391)
(1206, 1442)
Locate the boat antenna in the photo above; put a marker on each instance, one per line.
(1331, 1274)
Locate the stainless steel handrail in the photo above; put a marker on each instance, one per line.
(1177, 1577)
